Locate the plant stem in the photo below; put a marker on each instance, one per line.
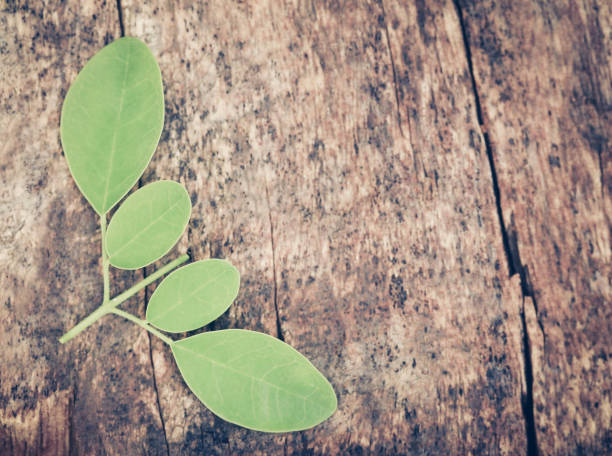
(105, 261)
(109, 306)
(149, 280)
(84, 324)
(142, 324)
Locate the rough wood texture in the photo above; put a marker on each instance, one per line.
(417, 195)
(543, 73)
(95, 395)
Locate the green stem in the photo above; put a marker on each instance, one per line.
(109, 306)
(149, 280)
(84, 324)
(105, 261)
(142, 324)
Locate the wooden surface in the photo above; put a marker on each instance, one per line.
(417, 196)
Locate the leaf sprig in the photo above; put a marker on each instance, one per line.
(111, 122)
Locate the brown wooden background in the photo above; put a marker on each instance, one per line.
(417, 194)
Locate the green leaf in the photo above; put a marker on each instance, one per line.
(112, 120)
(254, 380)
(193, 296)
(147, 225)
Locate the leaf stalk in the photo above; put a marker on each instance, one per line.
(142, 324)
(105, 260)
(110, 305)
(84, 324)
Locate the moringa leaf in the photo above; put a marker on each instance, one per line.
(111, 121)
(254, 380)
(193, 296)
(110, 125)
(147, 224)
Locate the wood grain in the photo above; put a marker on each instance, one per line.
(544, 76)
(376, 235)
(417, 196)
(94, 395)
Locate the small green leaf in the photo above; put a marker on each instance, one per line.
(147, 225)
(254, 380)
(111, 121)
(193, 296)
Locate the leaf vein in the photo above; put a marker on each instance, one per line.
(118, 122)
(139, 234)
(190, 295)
(240, 373)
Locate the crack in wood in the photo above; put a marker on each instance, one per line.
(523, 272)
(279, 329)
(146, 291)
(527, 398)
(395, 82)
(120, 14)
(145, 301)
(159, 408)
(510, 244)
(153, 375)
(72, 447)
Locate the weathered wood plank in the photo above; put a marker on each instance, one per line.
(336, 159)
(334, 152)
(543, 71)
(94, 395)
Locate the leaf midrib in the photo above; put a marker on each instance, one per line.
(190, 295)
(117, 124)
(149, 225)
(236, 371)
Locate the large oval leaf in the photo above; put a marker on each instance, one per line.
(193, 296)
(147, 225)
(254, 380)
(112, 120)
